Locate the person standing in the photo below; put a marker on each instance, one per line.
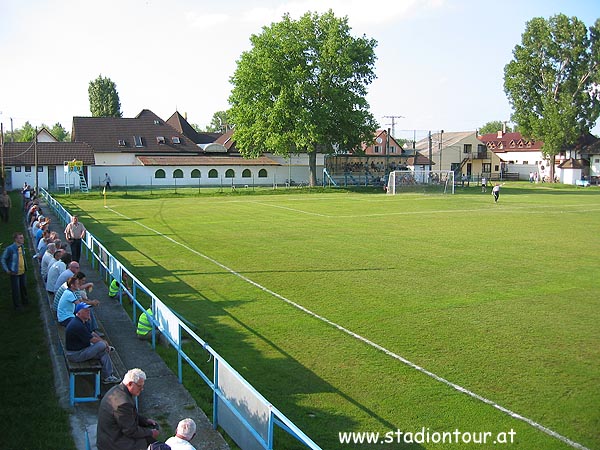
(483, 184)
(5, 205)
(120, 426)
(75, 232)
(14, 264)
(496, 191)
(186, 430)
(106, 182)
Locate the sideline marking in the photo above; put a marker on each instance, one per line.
(443, 380)
(514, 209)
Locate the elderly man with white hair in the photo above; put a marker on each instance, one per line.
(186, 430)
(120, 426)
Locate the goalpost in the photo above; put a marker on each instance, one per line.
(421, 181)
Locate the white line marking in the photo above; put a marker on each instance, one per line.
(513, 209)
(367, 341)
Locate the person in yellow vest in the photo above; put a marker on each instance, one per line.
(13, 263)
(144, 326)
(113, 288)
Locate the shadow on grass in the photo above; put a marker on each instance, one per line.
(282, 380)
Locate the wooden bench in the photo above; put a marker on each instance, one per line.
(88, 368)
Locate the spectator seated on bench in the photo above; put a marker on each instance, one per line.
(83, 345)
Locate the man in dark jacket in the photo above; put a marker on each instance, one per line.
(14, 264)
(120, 427)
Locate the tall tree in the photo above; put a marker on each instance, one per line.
(302, 87)
(59, 132)
(104, 98)
(219, 123)
(494, 126)
(25, 134)
(550, 82)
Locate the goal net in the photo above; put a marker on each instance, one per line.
(421, 181)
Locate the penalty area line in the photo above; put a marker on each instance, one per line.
(363, 339)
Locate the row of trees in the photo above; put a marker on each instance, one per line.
(27, 133)
(302, 87)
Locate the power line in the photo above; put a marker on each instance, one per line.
(394, 122)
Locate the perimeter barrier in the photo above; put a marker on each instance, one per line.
(245, 415)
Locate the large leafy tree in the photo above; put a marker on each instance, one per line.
(25, 134)
(302, 87)
(104, 98)
(550, 82)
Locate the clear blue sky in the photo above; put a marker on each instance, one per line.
(440, 62)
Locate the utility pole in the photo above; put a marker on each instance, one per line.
(35, 156)
(2, 154)
(393, 124)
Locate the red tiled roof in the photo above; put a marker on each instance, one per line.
(419, 160)
(48, 153)
(510, 142)
(226, 140)
(116, 134)
(179, 123)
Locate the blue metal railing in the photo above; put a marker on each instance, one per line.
(171, 326)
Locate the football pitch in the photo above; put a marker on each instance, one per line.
(361, 312)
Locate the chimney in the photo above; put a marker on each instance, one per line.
(500, 133)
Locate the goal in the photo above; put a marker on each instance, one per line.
(421, 181)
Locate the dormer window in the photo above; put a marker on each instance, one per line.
(160, 139)
(122, 143)
(176, 140)
(157, 122)
(138, 141)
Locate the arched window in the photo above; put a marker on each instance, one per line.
(262, 173)
(159, 174)
(246, 173)
(229, 173)
(195, 173)
(178, 173)
(212, 173)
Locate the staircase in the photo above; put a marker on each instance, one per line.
(83, 187)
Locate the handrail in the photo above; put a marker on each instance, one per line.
(171, 326)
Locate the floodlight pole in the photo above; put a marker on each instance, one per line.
(429, 143)
(441, 145)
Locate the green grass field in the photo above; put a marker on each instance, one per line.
(501, 299)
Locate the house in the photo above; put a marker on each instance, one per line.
(572, 170)
(518, 155)
(148, 151)
(588, 149)
(374, 161)
(383, 144)
(45, 136)
(44, 163)
(461, 152)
